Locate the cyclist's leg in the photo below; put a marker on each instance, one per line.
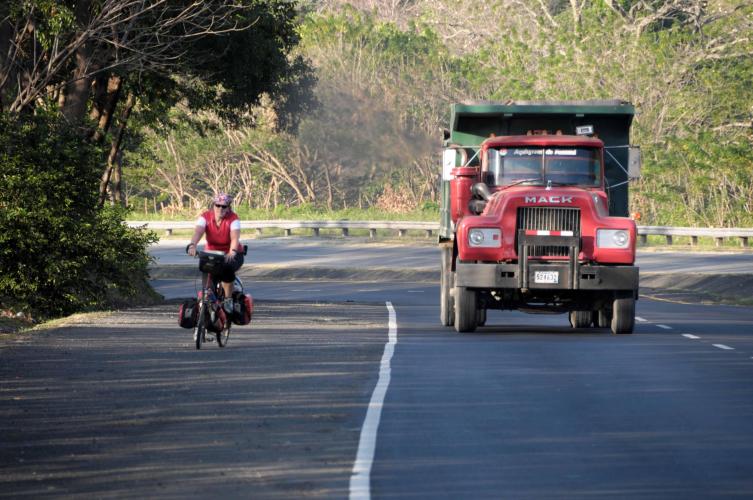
(228, 273)
(228, 277)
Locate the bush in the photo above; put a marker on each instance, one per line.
(59, 252)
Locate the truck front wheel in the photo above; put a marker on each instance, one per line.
(623, 314)
(446, 282)
(465, 309)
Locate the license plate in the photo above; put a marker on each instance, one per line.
(546, 277)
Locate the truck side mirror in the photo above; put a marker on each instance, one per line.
(634, 162)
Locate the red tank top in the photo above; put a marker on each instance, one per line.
(218, 236)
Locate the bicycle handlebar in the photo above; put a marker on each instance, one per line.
(207, 253)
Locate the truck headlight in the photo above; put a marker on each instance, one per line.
(485, 238)
(612, 238)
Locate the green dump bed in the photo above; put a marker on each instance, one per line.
(471, 123)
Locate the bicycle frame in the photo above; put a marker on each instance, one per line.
(211, 292)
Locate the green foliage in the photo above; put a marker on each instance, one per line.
(60, 253)
(699, 180)
(240, 66)
(384, 89)
(691, 82)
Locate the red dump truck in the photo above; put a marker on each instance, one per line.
(535, 213)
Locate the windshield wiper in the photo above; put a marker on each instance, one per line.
(521, 181)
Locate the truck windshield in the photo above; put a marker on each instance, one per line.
(562, 166)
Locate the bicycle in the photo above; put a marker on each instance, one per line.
(210, 301)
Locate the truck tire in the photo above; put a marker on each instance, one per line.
(581, 319)
(446, 282)
(480, 317)
(623, 314)
(603, 318)
(465, 309)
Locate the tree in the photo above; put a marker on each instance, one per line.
(94, 75)
(99, 55)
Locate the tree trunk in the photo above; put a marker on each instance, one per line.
(115, 148)
(117, 178)
(77, 91)
(329, 187)
(105, 103)
(7, 33)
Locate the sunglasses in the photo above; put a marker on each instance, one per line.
(220, 206)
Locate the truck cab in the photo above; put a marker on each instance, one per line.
(533, 221)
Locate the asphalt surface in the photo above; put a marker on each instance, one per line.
(124, 406)
(360, 253)
(528, 408)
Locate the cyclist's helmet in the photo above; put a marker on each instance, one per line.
(223, 199)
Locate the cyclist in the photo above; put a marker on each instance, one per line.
(222, 229)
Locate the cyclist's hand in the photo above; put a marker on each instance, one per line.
(229, 256)
(191, 250)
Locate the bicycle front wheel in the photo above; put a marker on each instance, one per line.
(224, 335)
(200, 329)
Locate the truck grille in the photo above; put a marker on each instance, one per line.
(549, 219)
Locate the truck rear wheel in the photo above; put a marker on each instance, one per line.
(465, 309)
(623, 314)
(603, 318)
(446, 282)
(480, 317)
(581, 319)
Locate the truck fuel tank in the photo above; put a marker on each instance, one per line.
(463, 179)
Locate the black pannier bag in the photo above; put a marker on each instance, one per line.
(188, 313)
(211, 263)
(243, 308)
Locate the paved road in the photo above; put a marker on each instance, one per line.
(320, 252)
(526, 408)
(123, 406)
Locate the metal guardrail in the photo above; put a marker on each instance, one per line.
(314, 225)
(401, 227)
(719, 234)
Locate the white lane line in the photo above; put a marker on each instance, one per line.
(725, 347)
(360, 478)
(689, 336)
(665, 327)
(415, 291)
(638, 318)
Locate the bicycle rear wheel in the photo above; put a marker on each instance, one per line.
(200, 329)
(224, 335)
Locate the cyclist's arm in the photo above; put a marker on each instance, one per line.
(235, 239)
(198, 232)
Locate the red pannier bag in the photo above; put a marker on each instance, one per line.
(188, 313)
(243, 308)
